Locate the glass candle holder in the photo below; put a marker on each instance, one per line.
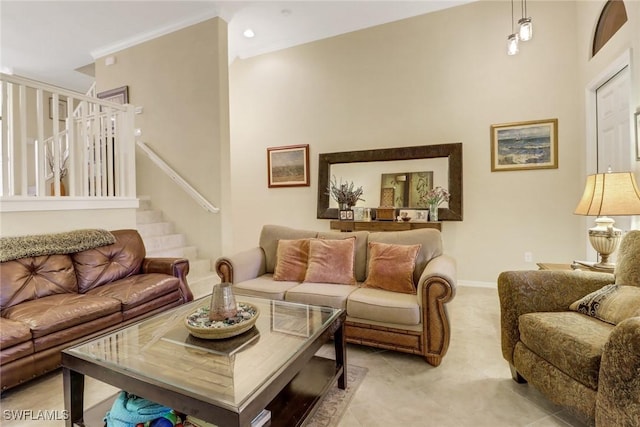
(223, 302)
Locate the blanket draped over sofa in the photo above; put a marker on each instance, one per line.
(393, 285)
(15, 247)
(68, 289)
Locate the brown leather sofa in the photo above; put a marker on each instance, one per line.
(50, 302)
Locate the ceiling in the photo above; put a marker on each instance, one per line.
(51, 40)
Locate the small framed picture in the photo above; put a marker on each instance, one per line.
(358, 213)
(288, 166)
(346, 215)
(118, 95)
(421, 215)
(524, 145)
(62, 109)
(407, 214)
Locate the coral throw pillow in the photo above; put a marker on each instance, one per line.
(391, 267)
(291, 260)
(331, 261)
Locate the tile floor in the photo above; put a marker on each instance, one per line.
(472, 386)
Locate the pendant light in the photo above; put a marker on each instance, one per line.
(512, 40)
(512, 44)
(525, 24)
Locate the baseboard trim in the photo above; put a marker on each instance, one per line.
(477, 284)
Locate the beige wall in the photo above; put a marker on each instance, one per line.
(37, 222)
(438, 78)
(180, 80)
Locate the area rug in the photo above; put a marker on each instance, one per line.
(336, 401)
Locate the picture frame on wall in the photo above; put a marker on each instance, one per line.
(288, 166)
(524, 145)
(119, 95)
(62, 109)
(637, 122)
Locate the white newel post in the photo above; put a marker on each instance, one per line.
(71, 137)
(40, 160)
(127, 172)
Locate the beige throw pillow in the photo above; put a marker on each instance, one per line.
(391, 267)
(611, 303)
(291, 260)
(331, 261)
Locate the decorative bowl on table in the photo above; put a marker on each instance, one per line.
(406, 218)
(200, 326)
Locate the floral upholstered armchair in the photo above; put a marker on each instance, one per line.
(575, 336)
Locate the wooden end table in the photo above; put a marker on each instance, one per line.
(576, 265)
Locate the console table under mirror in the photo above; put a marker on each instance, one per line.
(403, 171)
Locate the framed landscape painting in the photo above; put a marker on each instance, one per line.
(288, 166)
(524, 145)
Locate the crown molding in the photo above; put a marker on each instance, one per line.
(150, 35)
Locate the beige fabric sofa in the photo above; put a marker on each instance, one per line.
(577, 360)
(411, 323)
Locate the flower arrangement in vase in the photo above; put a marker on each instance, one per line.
(346, 194)
(434, 198)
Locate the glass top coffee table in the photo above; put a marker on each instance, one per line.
(226, 382)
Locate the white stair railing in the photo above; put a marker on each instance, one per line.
(182, 183)
(84, 143)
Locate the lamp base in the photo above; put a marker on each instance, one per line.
(604, 238)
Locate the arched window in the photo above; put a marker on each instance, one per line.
(613, 16)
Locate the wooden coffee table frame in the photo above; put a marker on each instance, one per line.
(289, 405)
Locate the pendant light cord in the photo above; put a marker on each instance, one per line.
(512, 28)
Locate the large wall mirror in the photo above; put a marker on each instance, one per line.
(431, 165)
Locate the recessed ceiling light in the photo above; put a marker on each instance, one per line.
(248, 33)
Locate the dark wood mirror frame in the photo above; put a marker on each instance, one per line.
(452, 151)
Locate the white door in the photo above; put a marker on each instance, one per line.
(614, 146)
(614, 138)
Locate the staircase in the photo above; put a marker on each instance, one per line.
(160, 240)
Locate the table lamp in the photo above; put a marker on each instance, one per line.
(608, 194)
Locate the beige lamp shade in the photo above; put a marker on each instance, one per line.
(610, 194)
